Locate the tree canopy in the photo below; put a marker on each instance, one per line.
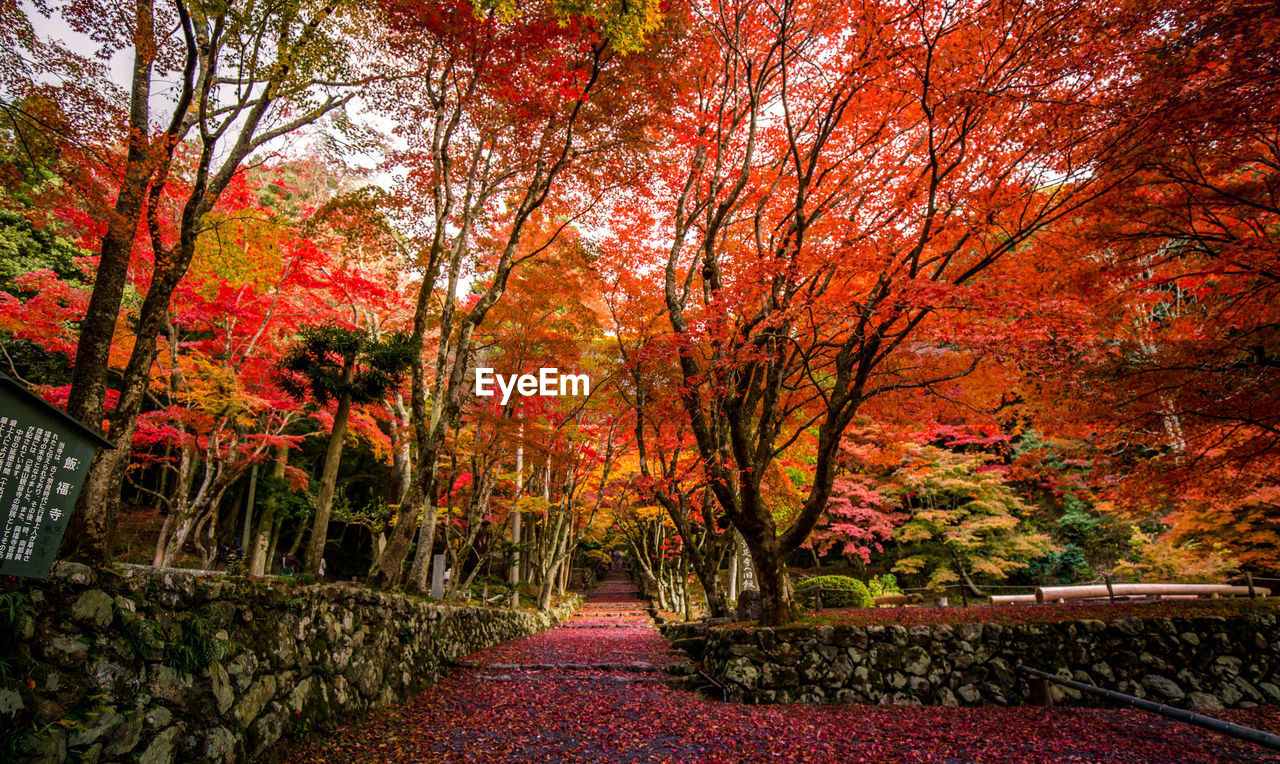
(980, 293)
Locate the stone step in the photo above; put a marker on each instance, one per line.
(605, 626)
(632, 666)
(571, 678)
(694, 646)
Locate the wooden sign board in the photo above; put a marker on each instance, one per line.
(44, 459)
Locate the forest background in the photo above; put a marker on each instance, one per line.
(978, 293)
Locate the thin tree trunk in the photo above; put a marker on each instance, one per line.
(684, 585)
(550, 573)
(401, 457)
(297, 539)
(421, 568)
(268, 525)
(273, 547)
(163, 541)
(566, 570)
(426, 533)
(965, 581)
(733, 570)
(528, 537)
(514, 573)
(329, 475)
(248, 506)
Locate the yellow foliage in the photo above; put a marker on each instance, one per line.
(1160, 559)
(624, 23)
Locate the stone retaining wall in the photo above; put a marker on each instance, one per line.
(1203, 663)
(163, 666)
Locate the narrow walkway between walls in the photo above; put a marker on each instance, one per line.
(593, 689)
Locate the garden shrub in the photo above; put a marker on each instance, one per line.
(1076, 524)
(1066, 567)
(880, 586)
(836, 591)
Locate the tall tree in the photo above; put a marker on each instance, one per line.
(249, 75)
(849, 175)
(1178, 373)
(670, 474)
(483, 160)
(348, 367)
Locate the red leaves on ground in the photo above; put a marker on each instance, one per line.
(535, 700)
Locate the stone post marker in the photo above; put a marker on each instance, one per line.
(746, 567)
(437, 577)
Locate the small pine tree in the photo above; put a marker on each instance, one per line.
(351, 367)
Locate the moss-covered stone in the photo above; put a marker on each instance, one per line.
(139, 664)
(93, 609)
(1204, 662)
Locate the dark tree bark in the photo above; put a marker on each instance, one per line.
(329, 475)
(97, 508)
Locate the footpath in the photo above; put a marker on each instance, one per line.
(594, 689)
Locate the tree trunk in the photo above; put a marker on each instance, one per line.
(708, 574)
(777, 599)
(547, 587)
(733, 574)
(513, 575)
(528, 538)
(329, 475)
(389, 566)
(559, 549)
(297, 539)
(247, 530)
(273, 548)
(208, 547)
(162, 541)
(98, 507)
(264, 544)
(704, 557)
(178, 509)
(660, 572)
(401, 456)
(965, 581)
(684, 585)
(87, 396)
(421, 567)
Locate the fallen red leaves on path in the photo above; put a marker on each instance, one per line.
(591, 691)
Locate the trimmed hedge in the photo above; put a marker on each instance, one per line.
(834, 591)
